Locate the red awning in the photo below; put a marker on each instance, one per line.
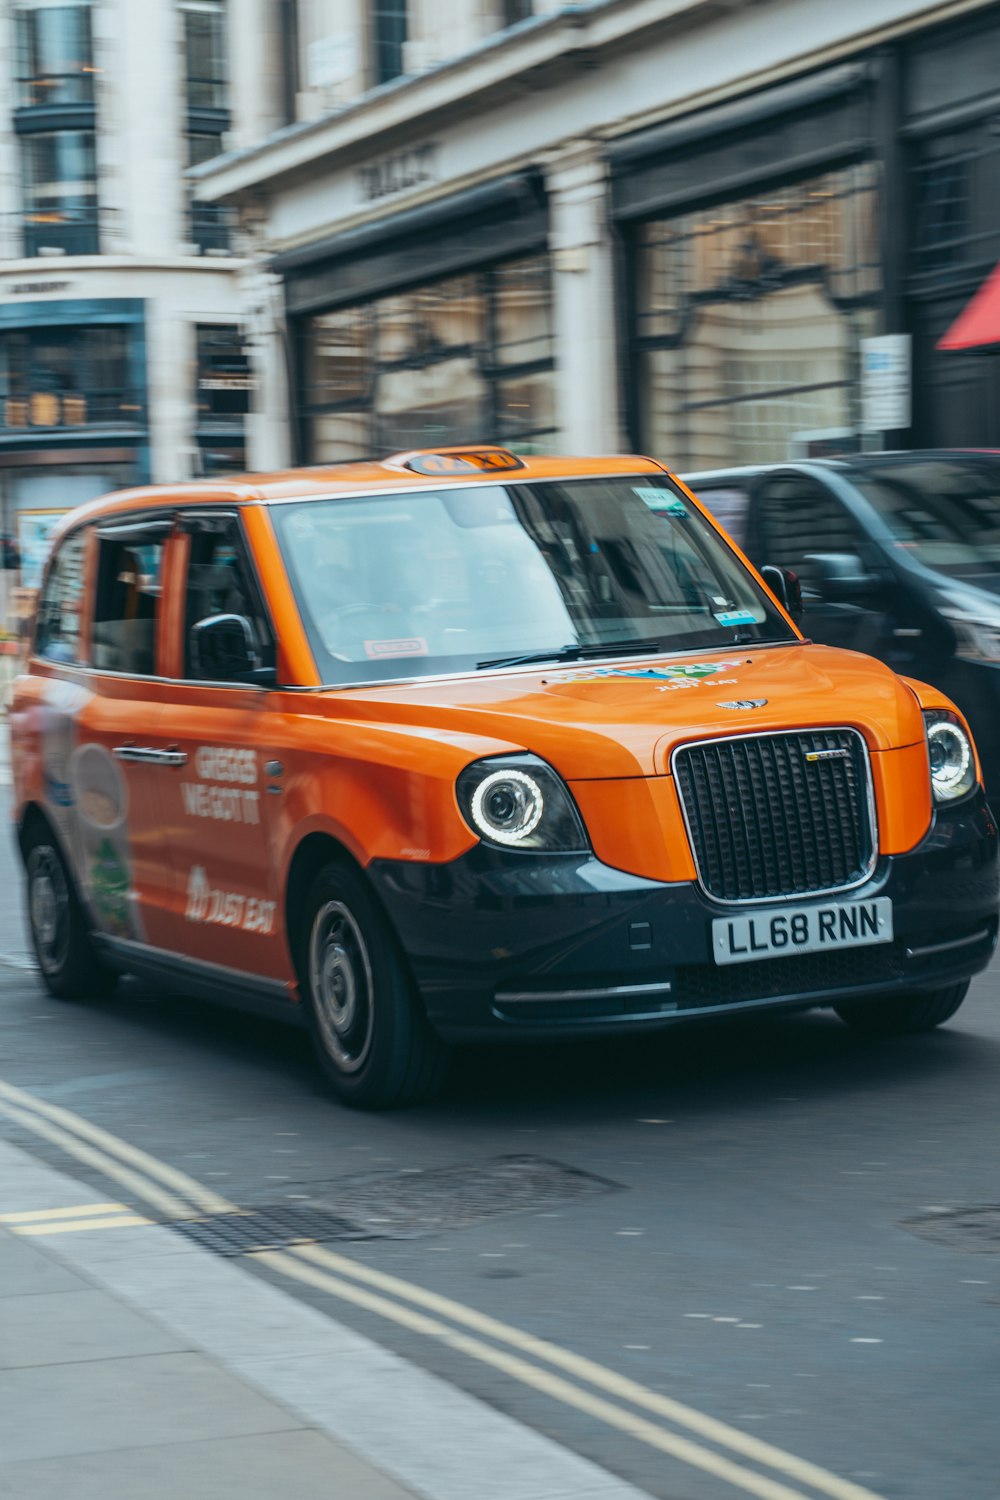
(978, 324)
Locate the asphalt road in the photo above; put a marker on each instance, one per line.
(747, 1248)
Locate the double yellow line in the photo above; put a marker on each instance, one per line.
(657, 1421)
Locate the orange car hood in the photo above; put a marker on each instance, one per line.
(624, 719)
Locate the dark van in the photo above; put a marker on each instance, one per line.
(898, 555)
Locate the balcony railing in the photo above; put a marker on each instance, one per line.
(65, 231)
(69, 411)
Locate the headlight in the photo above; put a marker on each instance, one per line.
(519, 802)
(953, 761)
(975, 640)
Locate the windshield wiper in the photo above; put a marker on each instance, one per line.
(574, 652)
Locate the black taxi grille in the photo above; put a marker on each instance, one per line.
(778, 814)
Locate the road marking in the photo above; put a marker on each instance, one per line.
(545, 1381)
(74, 1226)
(169, 1176)
(39, 1116)
(80, 1210)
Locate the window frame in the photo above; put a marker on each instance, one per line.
(84, 534)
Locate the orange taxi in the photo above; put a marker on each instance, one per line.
(461, 746)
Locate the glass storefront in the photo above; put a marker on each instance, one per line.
(467, 359)
(66, 378)
(748, 323)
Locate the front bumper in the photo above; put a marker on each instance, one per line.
(504, 944)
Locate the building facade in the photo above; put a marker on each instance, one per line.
(122, 351)
(670, 225)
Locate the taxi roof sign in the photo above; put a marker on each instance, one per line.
(459, 461)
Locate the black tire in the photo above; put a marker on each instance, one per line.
(60, 935)
(368, 1027)
(901, 1015)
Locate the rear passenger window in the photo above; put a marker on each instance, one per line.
(60, 608)
(127, 602)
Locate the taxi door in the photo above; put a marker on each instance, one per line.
(225, 906)
(112, 715)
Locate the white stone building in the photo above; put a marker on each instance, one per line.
(122, 355)
(660, 224)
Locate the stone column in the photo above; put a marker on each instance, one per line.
(141, 149)
(587, 378)
(268, 427)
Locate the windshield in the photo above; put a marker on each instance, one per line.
(451, 580)
(946, 512)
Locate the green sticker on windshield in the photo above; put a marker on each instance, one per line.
(660, 500)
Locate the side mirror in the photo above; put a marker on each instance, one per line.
(223, 650)
(784, 584)
(841, 577)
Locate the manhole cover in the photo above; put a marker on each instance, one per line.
(976, 1229)
(400, 1205)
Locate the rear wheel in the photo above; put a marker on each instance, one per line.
(60, 936)
(373, 1041)
(897, 1015)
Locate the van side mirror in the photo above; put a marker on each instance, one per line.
(784, 584)
(841, 577)
(223, 649)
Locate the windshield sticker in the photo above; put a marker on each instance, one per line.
(687, 675)
(661, 500)
(413, 645)
(737, 617)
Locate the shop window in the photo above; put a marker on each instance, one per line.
(55, 64)
(956, 187)
(467, 359)
(224, 378)
(60, 608)
(389, 35)
(66, 378)
(749, 318)
(126, 603)
(59, 177)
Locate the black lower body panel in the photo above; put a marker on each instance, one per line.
(504, 943)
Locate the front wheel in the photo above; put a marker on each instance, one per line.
(371, 1037)
(900, 1015)
(71, 968)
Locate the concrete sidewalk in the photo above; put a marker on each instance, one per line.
(100, 1401)
(137, 1365)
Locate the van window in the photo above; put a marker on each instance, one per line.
(126, 607)
(221, 582)
(57, 634)
(798, 518)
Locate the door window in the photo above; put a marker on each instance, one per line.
(797, 519)
(221, 582)
(57, 635)
(127, 602)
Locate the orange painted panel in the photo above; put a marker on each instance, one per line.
(637, 826)
(902, 784)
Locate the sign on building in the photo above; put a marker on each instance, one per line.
(886, 382)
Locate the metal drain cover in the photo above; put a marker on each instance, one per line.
(975, 1229)
(269, 1227)
(402, 1205)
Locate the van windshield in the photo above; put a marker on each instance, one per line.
(946, 511)
(435, 581)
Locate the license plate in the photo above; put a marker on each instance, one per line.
(801, 929)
